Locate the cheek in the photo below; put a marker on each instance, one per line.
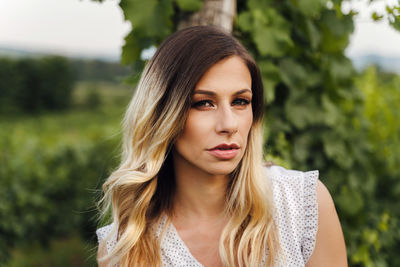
(194, 130)
(246, 123)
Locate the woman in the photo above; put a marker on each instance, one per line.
(191, 189)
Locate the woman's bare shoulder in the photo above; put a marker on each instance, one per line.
(330, 248)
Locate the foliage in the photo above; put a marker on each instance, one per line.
(152, 21)
(71, 251)
(98, 70)
(29, 84)
(391, 14)
(45, 84)
(315, 113)
(382, 110)
(51, 169)
(108, 94)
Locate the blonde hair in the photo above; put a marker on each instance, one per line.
(142, 187)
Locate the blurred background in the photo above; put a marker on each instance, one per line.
(331, 71)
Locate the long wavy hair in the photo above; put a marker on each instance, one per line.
(141, 190)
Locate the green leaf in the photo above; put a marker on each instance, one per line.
(259, 4)
(292, 73)
(376, 17)
(362, 255)
(131, 49)
(301, 147)
(262, 18)
(302, 111)
(267, 42)
(389, 9)
(160, 26)
(350, 202)
(335, 148)
(310, 8)
(396, 24)
(150, 18)
(245, 21)
(270, 76)
(297, 115)
(335, 32)
(190, 5)
(270, 31)
(331, 111)
(151, 23)
(383, 224)
(371, 237)
(138, 12)
(313, 34)
(341, 68)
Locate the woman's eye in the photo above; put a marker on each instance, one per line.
(241, 102)
(203, 103)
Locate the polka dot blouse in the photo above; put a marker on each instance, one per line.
(296, 216)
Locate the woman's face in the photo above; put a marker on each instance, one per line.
(215, 134)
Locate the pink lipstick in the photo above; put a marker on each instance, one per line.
(224, 151)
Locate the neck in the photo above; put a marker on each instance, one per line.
(198, 194)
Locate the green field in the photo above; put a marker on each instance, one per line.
(52, 166)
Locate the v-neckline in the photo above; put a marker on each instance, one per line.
(175, 233)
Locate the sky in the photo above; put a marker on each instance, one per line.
(70, 27)
(370, 37)
(84, 27)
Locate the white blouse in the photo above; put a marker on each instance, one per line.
(296, 217)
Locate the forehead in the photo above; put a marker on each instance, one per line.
(228, 75)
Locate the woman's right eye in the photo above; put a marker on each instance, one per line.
(203, 104)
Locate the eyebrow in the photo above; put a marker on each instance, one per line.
(211, 93)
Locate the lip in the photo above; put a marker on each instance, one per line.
(226, 146)
(224, 151)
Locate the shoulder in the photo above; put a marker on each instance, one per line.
(280, 174)
(103, 232)
(330, 248)
(308, 225)
(294, 195)
(107, 235)
(292, 183)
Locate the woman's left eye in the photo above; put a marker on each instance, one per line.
(241, 102)
(202, 104)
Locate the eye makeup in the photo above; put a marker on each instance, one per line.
(240, 102)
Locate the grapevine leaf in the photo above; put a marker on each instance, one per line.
(375, 16)
(310, 8)
(292, 73)
(245, 21)
(190, 5)
(313, 34)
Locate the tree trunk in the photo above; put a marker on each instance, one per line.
(219, 13)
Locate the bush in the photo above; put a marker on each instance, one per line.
(51, 168)
(33, 85)
(71, 251)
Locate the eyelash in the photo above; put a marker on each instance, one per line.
(201, 103)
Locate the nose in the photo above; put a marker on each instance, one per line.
(226, 120)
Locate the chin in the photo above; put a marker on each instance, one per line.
(222, 168)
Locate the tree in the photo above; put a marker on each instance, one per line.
(32, 85)
(213, 12)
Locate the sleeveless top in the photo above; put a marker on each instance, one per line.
(296, 217)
